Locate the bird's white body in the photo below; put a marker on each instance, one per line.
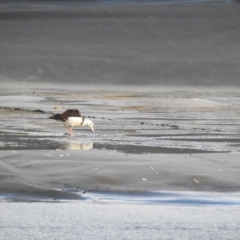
(74, 121)
(78, 122)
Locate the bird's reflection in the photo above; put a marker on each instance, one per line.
(77, 146)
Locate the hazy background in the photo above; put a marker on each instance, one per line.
(112, 42)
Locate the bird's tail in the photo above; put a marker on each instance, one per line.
(56, 117)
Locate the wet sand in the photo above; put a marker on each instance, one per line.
(73, 174)
(143, 142)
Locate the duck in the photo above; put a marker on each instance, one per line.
(73, 118)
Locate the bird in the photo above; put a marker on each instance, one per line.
(73, 118)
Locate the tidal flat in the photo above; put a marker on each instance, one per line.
(143, 142)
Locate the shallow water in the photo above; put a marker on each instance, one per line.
(166, 198)
(173, 122)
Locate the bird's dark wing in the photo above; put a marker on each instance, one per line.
(66, 114)
(70, 113)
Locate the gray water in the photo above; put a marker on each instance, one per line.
(175, 45)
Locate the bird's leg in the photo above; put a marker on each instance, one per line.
(70, 131)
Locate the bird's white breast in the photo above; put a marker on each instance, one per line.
(74, 121)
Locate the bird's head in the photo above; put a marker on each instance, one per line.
(91, 125)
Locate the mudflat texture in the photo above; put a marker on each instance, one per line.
(65, 175)
(175, 141)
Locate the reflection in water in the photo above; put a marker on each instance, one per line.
(78, 146)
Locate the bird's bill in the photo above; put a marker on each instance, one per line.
(92, 129)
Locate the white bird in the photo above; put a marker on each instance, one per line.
(72, 118)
